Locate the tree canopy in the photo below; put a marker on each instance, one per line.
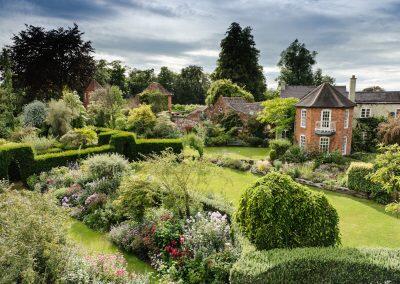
(46, 61)
(296, 65)
(373, 89)
(238, 61)
(279, 112)
(191, 86)
(226, 88)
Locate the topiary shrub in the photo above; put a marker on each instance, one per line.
(318, 265)
(141, 120)
(277, 212)
(295, 154)
(357, 177)
(278, 148)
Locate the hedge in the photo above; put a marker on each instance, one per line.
(318, 265)
(357, 177)
(17, 161)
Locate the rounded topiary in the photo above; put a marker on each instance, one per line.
(277, 212)
(34, 114)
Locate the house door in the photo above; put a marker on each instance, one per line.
(325, 118)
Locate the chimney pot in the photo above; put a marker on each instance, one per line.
(352, 87)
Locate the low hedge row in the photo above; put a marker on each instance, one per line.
(318, 265)
(17, 161)
(357, 177)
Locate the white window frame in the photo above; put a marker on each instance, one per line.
(346, 118)
(324, 143)
(302, 141)
(365, 112)
(344, 145)
(303, 118)
(323, 122)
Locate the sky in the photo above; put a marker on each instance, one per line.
(360, 37)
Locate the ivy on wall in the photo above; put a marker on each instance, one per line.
(365, 134)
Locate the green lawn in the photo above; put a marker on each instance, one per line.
(253, 153)
(97, 242)
(363, 223)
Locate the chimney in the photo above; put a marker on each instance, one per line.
(352, 91)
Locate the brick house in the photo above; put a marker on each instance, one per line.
(324, 120)
(153, 87)
(92, 86)
(224, 105)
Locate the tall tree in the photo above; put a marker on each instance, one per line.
(191, 86)
(46, 61)
(374, 89)
(167, 78)
(138, 80)
(296, 65)
(117, 76)
(238, 61)
(102, 74)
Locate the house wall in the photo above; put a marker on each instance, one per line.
(312, 139)
(221, 107)
(377, 110)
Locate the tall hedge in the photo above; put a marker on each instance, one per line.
(16, 161)
(277, 212)
(318, 265)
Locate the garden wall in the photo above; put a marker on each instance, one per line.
(18, 161)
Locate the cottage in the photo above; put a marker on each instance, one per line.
(239, 105)
(324, 120)
(92, 86)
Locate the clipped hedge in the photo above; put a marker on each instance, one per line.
(19, 162)
(16, 161)
(278, 148)
(318, 265)
(357, 177)
(277, 212)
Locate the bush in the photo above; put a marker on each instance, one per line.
(157, 100)
(39, 144)
(80, 137)
(261, 167)
(4, 185)
(357, 177)
(295, 154)
(195, 142)
(278, 148)
(141, 120)
(277, 212)
(164, 128)
(104, 166)
(34, 114)
(59, 117)
(318, 265)
(16, 161)
(334, 157)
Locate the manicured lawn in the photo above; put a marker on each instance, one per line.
(97, 242)
(363, 223)
(253, 153)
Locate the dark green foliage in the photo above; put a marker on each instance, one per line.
(139, 80)
(277, 212)
(124, 143)
(104, 137)
(334, 157)
(46, 61)
(225, 88)
(156, 146)
(318, 265)
(295, 154)
(167, 78)
(16, 161)
(238, 61)
(365, 134)
(157, 100)
(278, 148)
(191, 86)
(230, 120)
(358, 180)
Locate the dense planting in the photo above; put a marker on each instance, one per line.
(277, 212)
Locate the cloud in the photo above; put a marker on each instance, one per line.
(352, 37)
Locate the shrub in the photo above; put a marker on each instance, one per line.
(295, 154)
(195, 142)
(318, 265)
(135, 195)
(277, 212)
(34, 114)
(278, 148)
(80, 137)
(357, 177)
(39, 144)
(226, 88)
(261, 167)
(19, 134)
(141, 119)
(59, 117)
(104, 166)
(393, 208)
(16, 161)
(334, 157)
(164, 128)
(73, 101)
(4, 185)
(157, 100)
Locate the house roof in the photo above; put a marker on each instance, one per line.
(385, 97)
(157, 87)
(93, 86)
(241, 105)
(301, 91)
(325, 95)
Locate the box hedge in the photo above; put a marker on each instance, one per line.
(318, 265)
(357, 177)
(17, 161)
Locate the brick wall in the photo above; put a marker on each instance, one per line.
(312, 139)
